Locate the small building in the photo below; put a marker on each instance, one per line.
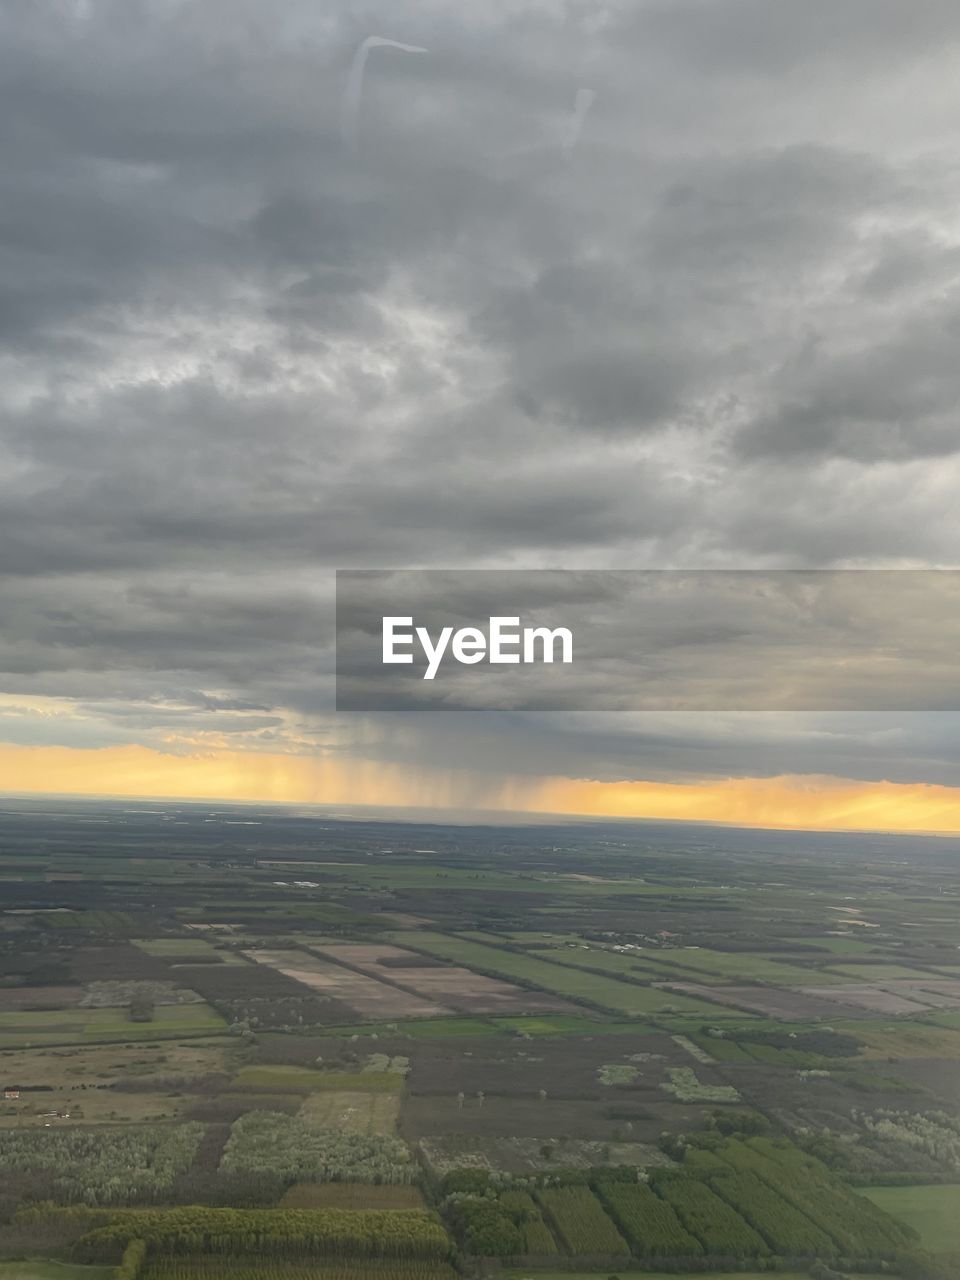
(11, 1093)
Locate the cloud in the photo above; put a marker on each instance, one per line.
(235, 354)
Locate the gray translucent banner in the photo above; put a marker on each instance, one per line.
(634, 640)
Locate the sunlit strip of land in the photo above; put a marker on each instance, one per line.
(808, 802)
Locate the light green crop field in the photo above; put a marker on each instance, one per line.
(736, 966)
(41, 1028)
(166, 947)
(842, 946)
(611, 962)
(934, 1212)
(563, 980)
(877, 972)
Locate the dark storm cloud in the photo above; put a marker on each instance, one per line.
(717, 328)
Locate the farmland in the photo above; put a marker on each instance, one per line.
(543, 1049)
(933, 1212)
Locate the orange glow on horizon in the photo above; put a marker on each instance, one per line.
(811, 803)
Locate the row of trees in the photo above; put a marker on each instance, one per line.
(651, 1225)
(579, 1220)
(336, 1233)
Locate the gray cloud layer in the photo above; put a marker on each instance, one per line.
(718, 331)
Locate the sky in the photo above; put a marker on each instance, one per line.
(608, 284)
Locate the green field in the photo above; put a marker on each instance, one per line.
(52, 1271)
(561, 979)
(933, 1212)
(36, 1029)
(877, 972)
(169, 947)
(842, 946)
(736, 966)
(612, 962)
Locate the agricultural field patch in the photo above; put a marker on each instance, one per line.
(262, 997)
(14, 999)
(684, 1084)
(877, 971)
(562, 980)
(118, 994)
(664, 1275)
(101, 1166)
(65, 1108)
(177, 948)
(311, 1080)
(875, 999)
(51, 1027)
(563, 1068)
(352, 1195)
(364, 995)
(533, 1155)
(450, 985)
(781, 1004)
(70, 1068)
(201, 1267)
(906, 1040)
(272, 1144)
(734, 966)
(634, 1117)
(33, 1269)
(352, 1112)
(933, 1212)
(579, 1221)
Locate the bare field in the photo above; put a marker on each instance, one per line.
(352, 1195)
(789, 1006)
(873, 998)
(16, 999)
(633, 1117)
(367, 996)
(458, 988)
(567, 1068)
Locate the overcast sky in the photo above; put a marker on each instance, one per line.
(611, 284)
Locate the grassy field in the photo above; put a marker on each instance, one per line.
(104, 1064)
(352, 1111)
(877, 972)
(737, 966)
(561, 979)
(170, 948)
(52, 1271)
(843, 946)
(183, 950)
(905, 1040)
(932, 1211)
(92, 1106)
(612, 962)
(36, 1029)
